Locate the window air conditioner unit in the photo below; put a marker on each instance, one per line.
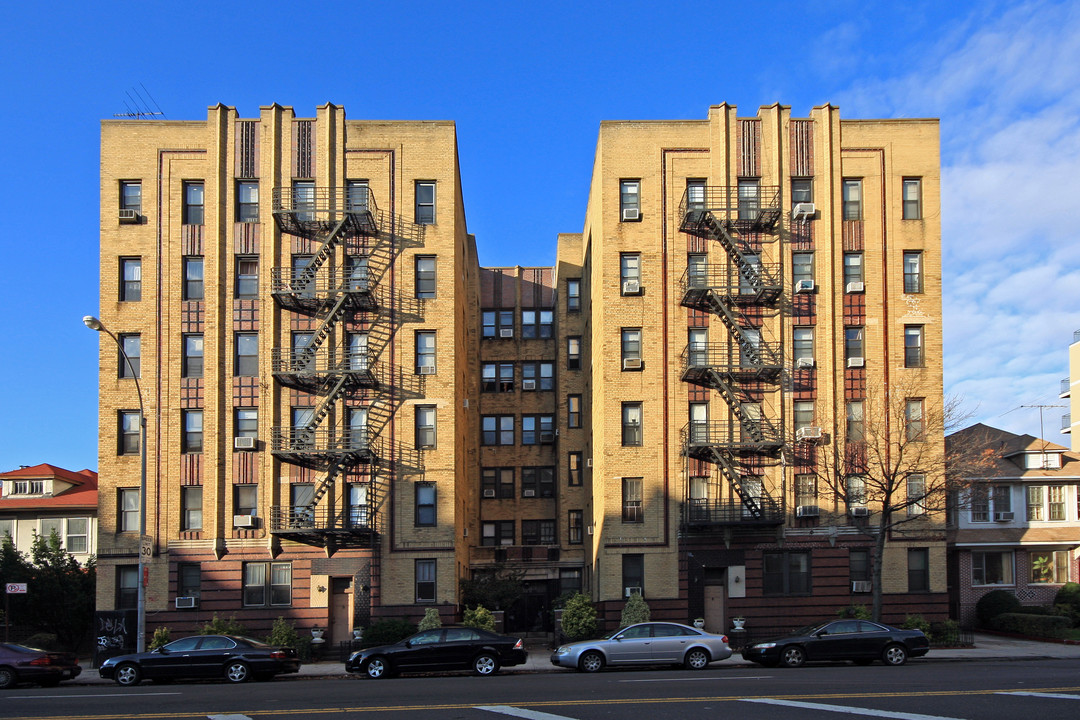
(243, 521)
(855, 362)
(490, 492)
(631, 364)
(804, 286)
(425, 370)
(855, 287)
(185, 603)
(244, 443)
(628, 591)
(547, 437)
(804, 362)
(807, 511)
(861, 586)
(506, 332)
(129, 216)
(859, 511)
(803, 211)
(528, 384)
(528, 493)
(630, 214)
(631, 287)
(809, 432)
(1003, 516)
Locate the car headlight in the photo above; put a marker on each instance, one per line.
(763, 646)
(562, 650)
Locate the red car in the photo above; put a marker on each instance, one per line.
(19, 663)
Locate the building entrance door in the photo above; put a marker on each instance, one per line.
(341, 593)
(715, 596)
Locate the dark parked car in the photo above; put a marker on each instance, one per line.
(237, 659)
(449, 648)
(652, 643)
(859, 640)
(19, 663)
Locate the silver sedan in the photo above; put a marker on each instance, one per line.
(651, 643)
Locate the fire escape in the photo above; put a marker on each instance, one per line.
(741, 292)
(345, 290)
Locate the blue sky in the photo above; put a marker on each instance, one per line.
(528, 85)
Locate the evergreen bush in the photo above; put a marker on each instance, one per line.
(993, 604)
(1044, 626)
(635, 611)
(220, 626)
(430, 621)
(162, 636)
(579, 617)
(1067, 602)
(479, 617)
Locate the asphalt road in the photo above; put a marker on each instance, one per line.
(990, 690)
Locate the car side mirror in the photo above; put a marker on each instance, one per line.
(819, 633)
(408, 643)
(161, 650)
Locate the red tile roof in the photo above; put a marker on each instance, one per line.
(84, 494)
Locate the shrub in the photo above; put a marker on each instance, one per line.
(431, 620)
(916, 622)
(388, 632)
(479, 617)
(42, 641)
(993, 604)
(859, 612)
(219, 626)
(284, 633)
(579, 617)
(1046, 626)
(945, 633)
(162, 636)
(636, 610)
(1067, 602)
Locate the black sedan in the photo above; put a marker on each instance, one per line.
(449, 648)
(859, 640)
(19, 663)
(237, 659)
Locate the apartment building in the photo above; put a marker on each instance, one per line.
(347, 415)
(1068, 393)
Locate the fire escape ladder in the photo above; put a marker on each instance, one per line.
(729, 470)
(326, 483)
(326, 250)
(307, 433)
(337, 310)
(750, 425)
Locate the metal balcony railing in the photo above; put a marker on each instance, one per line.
(700, 439)
(1066, 423)
(308, 211)
(289, 517)
(740, 208)
(319, 448)
(702, 514)
(294, 291)
(700, 360)
(759, 284)
(298, 368)
(1066, 388)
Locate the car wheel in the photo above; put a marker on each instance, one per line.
(591, 662)
(792, 656)
(485, 664)
(237, 672)
(377, 667)
(7, 678)
(128, 675)
(894, 655)
(696, 659)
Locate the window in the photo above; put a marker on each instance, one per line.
(916, 494)
(1035, 496)
(302, 283)
(193, 203)
(632, 495)
(573, 295)
(1055, 502)
(267, 584)
(1049, 566)
(630, 273)
(631, 424)
(127, 504)
(749, 198)
(425, 202)
(575, 524)
(304, 200)
(631, 348)
(805, 491)
(497, 482)
(130, 279)
(573, 352)
(695, 194)
(356, 195)
(786, 573)
(573, 411)
(992, 568)
(130, 361)
(425, 504)
(913, 272)
(497, 377)
(127, 587)
(853, 343)
(804, 346)
(247, 354)
(191, 507)
(130, 433)
(536, 324)
(28, 487)
(859, 566)
(497, 532)
(629, 200)
(131, 195)
(357, 273)
(425, 581)
(497, 429)
(853, 271)
(913, 346)
(537, 429)
(425, 427)
(538, 532)
(537, 376)
(855, 486)
(302, 357)
(802, 267)
(912, 198)
(247, 422)
(191, 363)
(538, 482)
(425, 276)
(72, 532)
(852, 199)
(247, 201)
(7, 529)
(633, 572)
(301, 499)
(193, 278)
(247, 277)
(358, 512)
(918, 570)
(573, 468)
(189, 580)
(246, 499)
(192, 441)
(357, 352)
(425, 352)
(803, 412)
(498, 323)
(802, 190)
(913, 419)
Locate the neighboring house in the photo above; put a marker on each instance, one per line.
(1016, 527)
(43, 498)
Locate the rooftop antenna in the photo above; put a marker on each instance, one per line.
(1042, 433)
(142, 105)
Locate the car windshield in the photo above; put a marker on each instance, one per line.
(810, 629)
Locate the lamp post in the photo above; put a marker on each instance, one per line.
(140, 639)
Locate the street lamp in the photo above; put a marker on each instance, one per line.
(140, 639)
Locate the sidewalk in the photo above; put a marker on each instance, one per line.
(987, 647)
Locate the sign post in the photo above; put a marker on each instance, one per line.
(12, 589)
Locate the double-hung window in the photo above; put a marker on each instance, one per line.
(853, 345)
(193, 278)
(573, 411)
(574, 464)
(267, 584)
(632, 497)
(1049, 566)
(537, 429)
(786, 573)
(913, 346)
(913, 271)
(193, 203)
(130, 362)
(912, 199)
(497, 532)
(993, 567)
(247, 201)
(916, 494)
(629, 200)
(802, 190)
(749, 198)
(803, 338)
(356, 196)
(913, 419)
(127, 520)
(851, 193)
(802, 269)
(425, 276)
(191, 498)
(853, 272)
(631, 424)
(192, 440)
(131, 196)
(538, 482)
(630, 273)
(191, 362)
(573, 352)
(247, 277)
(425, 504)
(631, 348)
(425, 202)
(918, 570)
(425, 352)
(537, 376)
(538, 532)
(130, 279)
(575, 526)
(536, 323)
(497, 429)
(425, 581)
(855, 431)
(573, 295)
(247, 354)
(425, 427)
(130, 433)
